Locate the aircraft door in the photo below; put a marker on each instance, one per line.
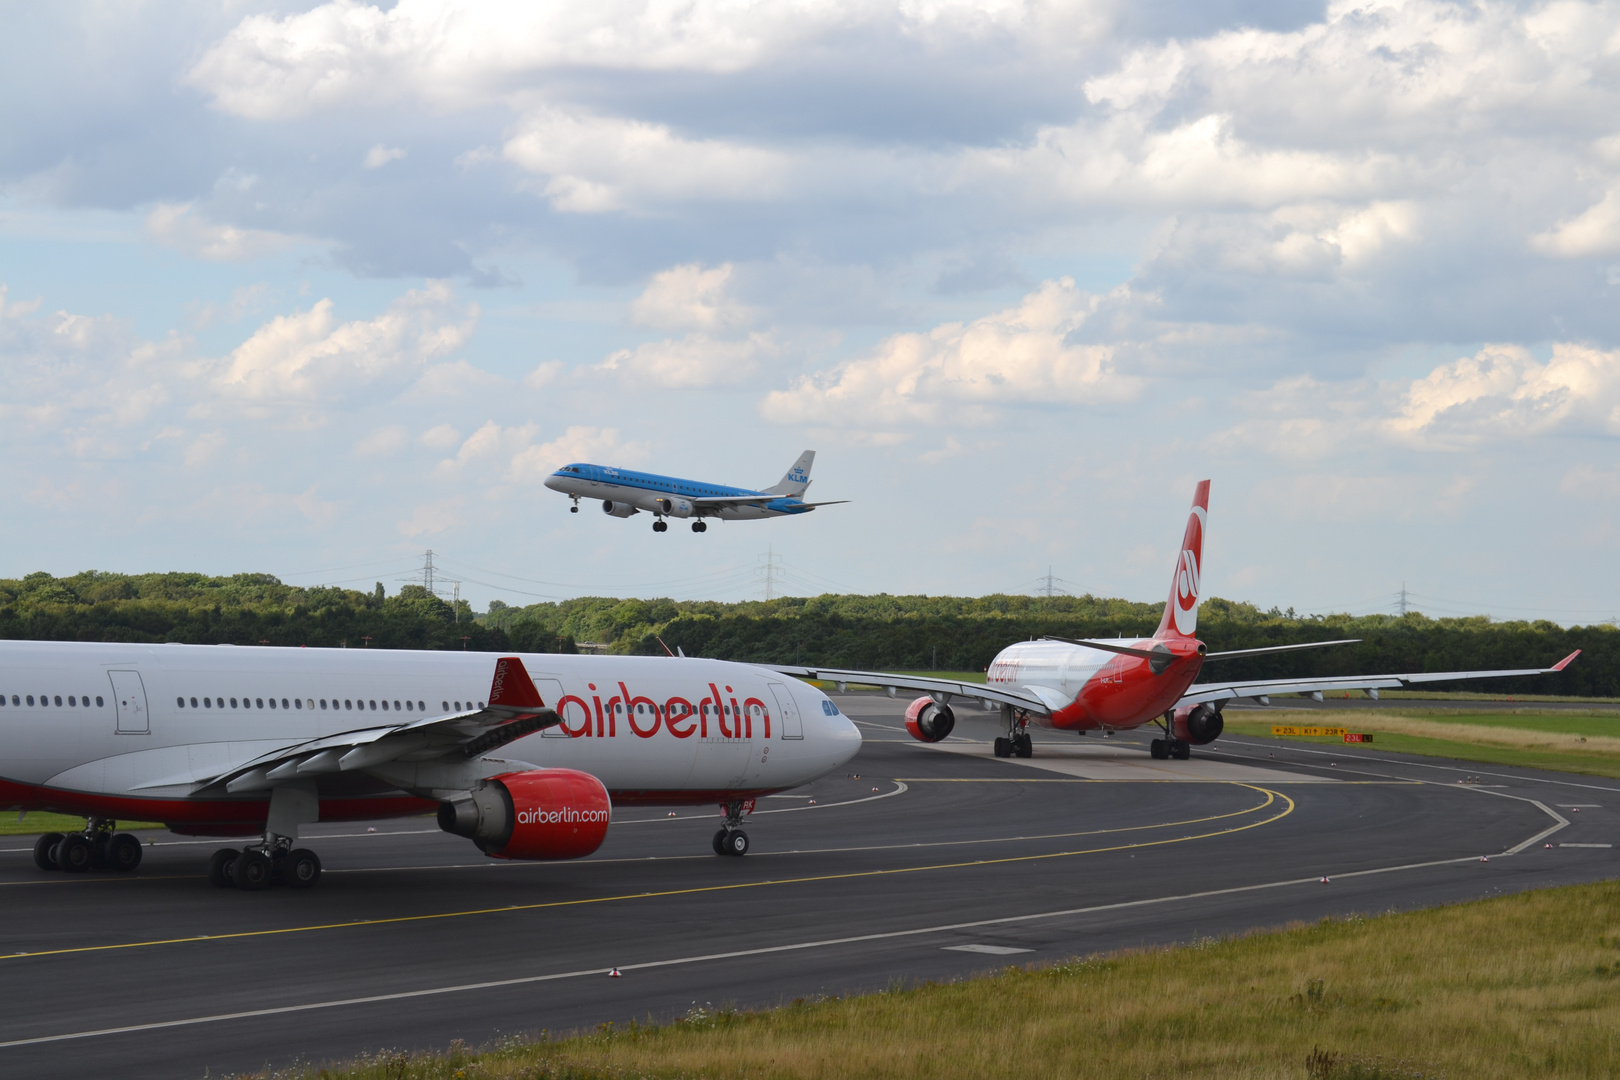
(129, 698)
(787, 712)
(551, 692)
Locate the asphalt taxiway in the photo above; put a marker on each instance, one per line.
(915, 862)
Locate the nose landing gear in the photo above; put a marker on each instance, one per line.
(731, 840)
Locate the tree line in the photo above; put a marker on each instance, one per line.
(880, 632)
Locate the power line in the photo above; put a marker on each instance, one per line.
(769, 571)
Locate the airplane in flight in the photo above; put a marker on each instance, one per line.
(1086, 686)
(218, 740)
(625, 493)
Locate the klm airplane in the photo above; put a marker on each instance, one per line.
(624, 493)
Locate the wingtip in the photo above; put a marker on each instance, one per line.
(1565, 662)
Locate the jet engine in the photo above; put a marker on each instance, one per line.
(680, 508)
(618, 509)
(928, 720)
(540, 814)
(1198, 724)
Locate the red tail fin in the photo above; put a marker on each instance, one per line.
(512, 686)
(1186, 584)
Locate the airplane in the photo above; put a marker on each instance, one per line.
(219, 740)
(625, 493)
(1107, 686)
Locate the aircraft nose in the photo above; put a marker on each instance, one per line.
(843, 737)
(554, 482)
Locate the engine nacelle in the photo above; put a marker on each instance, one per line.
(680, 508)
(1198, 724)
(541, 814)
(928, 720)
(618, 509)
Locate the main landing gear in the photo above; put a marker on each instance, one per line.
(1016, 742)
(660, 525)
(700, 526)
(731, 840)
(97, 848)
(274, 861)
(1169, 748)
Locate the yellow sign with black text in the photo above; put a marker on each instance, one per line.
(1308, 732)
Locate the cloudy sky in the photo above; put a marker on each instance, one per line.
(309, 289)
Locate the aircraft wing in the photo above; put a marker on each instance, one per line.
(514, 710)
(735, 500)
(1031, 698)
(1264, 688)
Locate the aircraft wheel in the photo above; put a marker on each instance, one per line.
(220, 865)
(74, 853)
(1022, 747)
(1182, 750)
(573, 509)
(253, 870)
(123, 853)
(700, 526)
(719, 842)
(1157, 749)
(736, 842)
(302, 868)
(1003, 746)
(659, 526)
(43, 858)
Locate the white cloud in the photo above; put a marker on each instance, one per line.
(594, 164)
(182, 227)
(435, 517)
(441, 437)
(965, 372)
(382, 442)
(544, 374)
(1502, 392)
(204, 448)
(490, 441)
(310, 357)
(688, 297)
(691, 363)
(1593, 232)
(380, 155)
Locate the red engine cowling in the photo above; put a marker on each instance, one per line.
(928, 720)
(1198, 724)
(541, 814)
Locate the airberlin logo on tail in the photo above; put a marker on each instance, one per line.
(1188, 575)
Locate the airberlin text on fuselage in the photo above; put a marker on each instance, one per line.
(677, 715)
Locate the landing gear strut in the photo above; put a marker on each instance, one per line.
(274, 860)
(97, 848)
(731, 840)
(1169, 747)
(1016, 742)
(575, 508)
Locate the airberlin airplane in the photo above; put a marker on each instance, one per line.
(1085, 686)
(219, 740)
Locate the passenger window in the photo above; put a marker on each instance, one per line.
(71, 700)
(385, 704)
(30, 699)
(347, 704)
(98, 701)
(272, 703)
(283, 703)
(180, 702)
(446, 705)
(458, 704)
(373, 706)
(323, 703)
(396, 706)
(233, 703)
(59, 699)
(258, 703)
(480, 704)
(298, 702)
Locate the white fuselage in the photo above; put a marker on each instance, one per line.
(127, 725)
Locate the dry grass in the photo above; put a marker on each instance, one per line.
(1419, 726)
(1527, 985)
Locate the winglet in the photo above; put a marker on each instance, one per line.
(512, 686)
(1564, 663)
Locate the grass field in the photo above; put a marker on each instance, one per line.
(36, 823)
(1564, 741)
(1442, 992)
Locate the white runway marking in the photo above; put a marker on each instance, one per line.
(988, 950)
(1102, 761)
